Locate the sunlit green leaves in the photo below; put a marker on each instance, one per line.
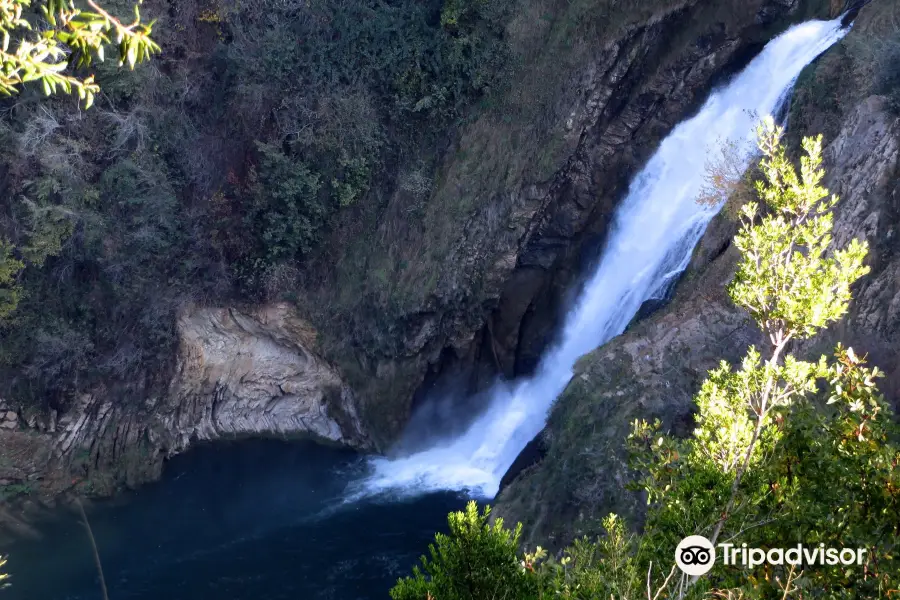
(479, 560)
(765, 465)
(74, 39)
(476, 559)
(787, 279)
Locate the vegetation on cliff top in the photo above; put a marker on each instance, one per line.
(214, 173)
(784, 452)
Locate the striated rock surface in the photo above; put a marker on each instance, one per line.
(653, 370)
(238, 373)
(864, 161)
(251, 373)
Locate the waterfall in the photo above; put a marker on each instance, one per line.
(653, 233)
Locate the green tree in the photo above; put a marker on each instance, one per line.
(476, 560)
(776, 458)
(69, 39)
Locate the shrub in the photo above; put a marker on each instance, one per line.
(480, 561)
(286, 211)
(10, 291)
(476, 560)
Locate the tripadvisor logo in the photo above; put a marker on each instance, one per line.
(695, 555)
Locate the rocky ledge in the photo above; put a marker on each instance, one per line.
(239, 373)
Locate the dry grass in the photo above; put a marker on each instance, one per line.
(38, 131)
(726, 181)
(131, 132)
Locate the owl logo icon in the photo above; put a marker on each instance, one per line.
(695, 555)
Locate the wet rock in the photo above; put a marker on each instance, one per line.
(533, 452)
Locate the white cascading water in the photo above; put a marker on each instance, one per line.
(651, 240)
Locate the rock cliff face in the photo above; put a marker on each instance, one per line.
(653, 370)
(238, 373)
(475, 281)
(523, 205)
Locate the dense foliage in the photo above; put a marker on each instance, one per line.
(217, 172)
(359, 86)
(784, 452)
(55, 53)
(476, 560)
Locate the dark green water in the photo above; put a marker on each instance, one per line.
(254, 519)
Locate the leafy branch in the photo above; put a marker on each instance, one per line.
(68, 40)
